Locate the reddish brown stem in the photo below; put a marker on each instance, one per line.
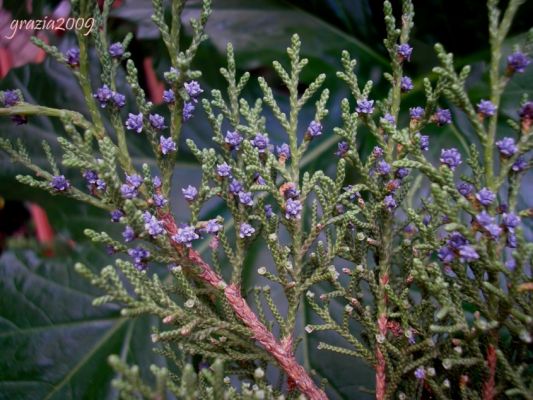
(381, 384)
(490, 383)
(281, 351)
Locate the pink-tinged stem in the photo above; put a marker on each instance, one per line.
(381, 384)
(490, 383)
(281, 351)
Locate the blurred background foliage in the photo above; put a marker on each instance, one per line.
(54, 344)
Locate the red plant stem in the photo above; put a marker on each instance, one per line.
(281, 351)
(381, 377)
(489, 385)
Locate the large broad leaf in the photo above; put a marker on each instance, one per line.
(54, 342)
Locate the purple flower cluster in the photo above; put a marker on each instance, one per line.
(135, 122)
(59, 183)
(93, 181)
(314, 129)
(152, 225)
(246, 230)
(293, 209)
(442, 117)
(457, 246)
(116, 50)
(517, 62)
(416, 113)
(167, 145)
(212, 226)
(188, 110)
(365, 106)
(488, 223)
(185, 235)
(377, 152)
(404, 51)
(139, 255)
(129, 190)
(235, 186)
(106, 96)
(485, 197)
(261, 142)
(190, 193)
(11, 98)
(388, 118)
(342, 148)
(423, 141)
(168, 96)
(406, 84)
(465, 188)
(246, 198)
(128, 234)
(159, 200)
(507, 147)
(116, 215)
(223, 170)
(519, 165)
(451, 158)
(233, 139)
(157, 121)
(486, 108)
(73, 57)
(383, 168)
(389, 202)
(193, 89)
(284, 151)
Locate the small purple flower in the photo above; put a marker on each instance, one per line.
(157, 121)
(402, 172)
(185, 235)
(134, 180)
(246, 230)
(90, 176)
(139, 256)
(365, 106)
(193, 89)
(128, 191)
(190, 193)
(468, 253)
(167, 145)
(152, 225)
(423, 141)
(404, 51)
(268, 211)
(406, 84)
(128, 234)
(484, 219)
(156, 182)
(59, 183)
(73, 57)
(526, 111)
(293, 209)
(377, 152)
(510, 264)
(519, 165)
(100, 185)
(420, 373)
(416, 113)
(510, 220)
(259, 179)
(389, 202)
(213, 226)
(389, 118)
(246, 198)
(260, 142)
(235, 186)
(465, 188)
(485, 196)
(135, 122)
(442, 117)
(446, 254)
(119, 99)
(456, 240)
(511, 240)
(486, 108)
(103, 95)
(494, 230)
(451, 158)
(168, 96)
(233, 139)
(11, 98)
(383, 168)
(188, 110)
(116, 215)
(159, 200)
(342, 149)
(507, 147)
(223, 170)
(314, 129)
(284, 151)
(116, 50)
(517, 62)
